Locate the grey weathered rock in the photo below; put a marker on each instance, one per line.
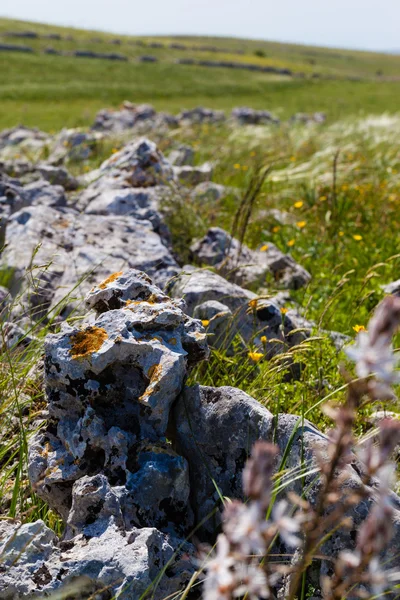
(12, 335)
(58, 176)
(244, 313)
(141, 203)
(22, 135)
(183, 155)
(249, 116)
(208, 192)
(77, 249)
(104, 562)
(73, 144)
(110, 386)
(125, 118)
(193, 175)
(215, 429)
(201, 115)
(244, 266)
(138, 164)
(392, 288)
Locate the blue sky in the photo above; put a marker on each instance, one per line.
(365, 24)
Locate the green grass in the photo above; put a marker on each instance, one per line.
(51, 92)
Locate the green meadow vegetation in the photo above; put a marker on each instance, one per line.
(331, 198)
(51, 91)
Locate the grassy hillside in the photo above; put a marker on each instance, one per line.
(51, 91)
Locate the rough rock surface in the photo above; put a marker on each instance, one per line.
(193, 175)
(238, 311)
(58, 176)
(110, 386)
(244, 266)
(78, 249)
(103, 461)
(121, 227)
(250, 116)
(73, 144)
(102, 560)
(215, 429)
(183, 155)
(201, 115)
(392, 288)
(125, 118)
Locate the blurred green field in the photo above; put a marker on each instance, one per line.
(50, 91)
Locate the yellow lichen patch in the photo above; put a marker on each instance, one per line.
(87, 341)
(154, 372)
(110, 279)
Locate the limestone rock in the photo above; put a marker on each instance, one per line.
(244, 313)
(244, 266)
(193, 175)
(208, 192)
(77, 249)
(392, 288)
(138, 164)
(126, 117)
(249, 116)
(201, 115)
(73, 145)
(105, 563)
(110, 385)
(183, 155)
(58, 176)
(141, 203)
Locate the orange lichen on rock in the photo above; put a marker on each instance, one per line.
(110, 279)
(87, 341)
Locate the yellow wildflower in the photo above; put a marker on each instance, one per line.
(298, 204)
(358, 328)
(245, 167)
(357, 237)
(301, 224)
(264, 248)
(252, 153)
(253, 303)
(284, 310)
(236, 166)
(255, 356)
(341, 233)
(392, 197)
(275, 229)
(263, 339)
(291, 243)
(292, 158)
(205, 322)
(323, 198)
(114, 150)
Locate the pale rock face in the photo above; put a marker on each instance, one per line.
(139, 164)
(183, 155)
(239, 312)
(81, 248)
(73, 145)
(201, 115)
(193, 175)
(249, 116)
(244, 266)
(110, 386)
